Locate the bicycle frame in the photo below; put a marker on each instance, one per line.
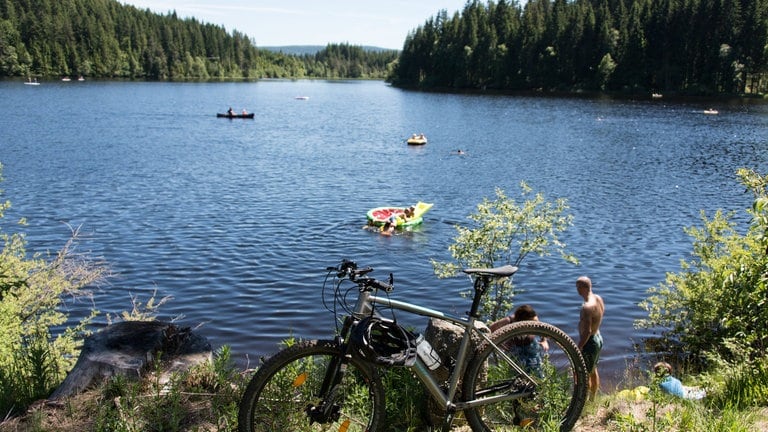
(523, 373)
(365, 305)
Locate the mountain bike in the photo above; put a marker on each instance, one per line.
(336, 384)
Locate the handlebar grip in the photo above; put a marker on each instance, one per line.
(382, 285)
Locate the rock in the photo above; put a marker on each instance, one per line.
(129, 348)
(445, 338)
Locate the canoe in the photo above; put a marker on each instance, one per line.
(248, 116)
(378, 216)
(419, 140)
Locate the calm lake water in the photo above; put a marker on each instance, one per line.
(237, 219)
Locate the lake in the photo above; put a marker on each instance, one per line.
(238, 219)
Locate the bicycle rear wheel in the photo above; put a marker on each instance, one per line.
(551, 399)
(285, 393)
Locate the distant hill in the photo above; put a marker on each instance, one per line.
(300, 50)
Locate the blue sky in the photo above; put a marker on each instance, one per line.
(382, 23)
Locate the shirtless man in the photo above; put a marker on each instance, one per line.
(590, 340)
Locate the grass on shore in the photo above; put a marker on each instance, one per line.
(615, 413)
(205, 399)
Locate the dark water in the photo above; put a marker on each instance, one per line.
(238, 219)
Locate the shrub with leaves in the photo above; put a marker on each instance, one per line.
(32, 293)
(504, 231)
(715, 307)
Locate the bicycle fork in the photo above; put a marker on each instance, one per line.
(329, 408)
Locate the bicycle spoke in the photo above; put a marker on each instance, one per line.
(284, 395)
(549, 397)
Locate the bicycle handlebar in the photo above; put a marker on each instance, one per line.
(380, 285)
(347, 269)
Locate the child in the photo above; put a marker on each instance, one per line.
(674, 386)
(528, 349)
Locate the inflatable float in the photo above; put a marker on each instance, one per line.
(378, 216)
(419, 139)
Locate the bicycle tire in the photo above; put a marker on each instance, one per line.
(279, 394)
(554, 403)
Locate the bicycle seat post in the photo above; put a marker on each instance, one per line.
(481, 286)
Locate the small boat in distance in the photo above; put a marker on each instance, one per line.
(711, 111)
(302, 98)
(66, 79)
(657, 95)
(80, 78)
(232, 116)
(29, 81)
(415, 139)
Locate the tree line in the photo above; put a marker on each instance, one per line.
(104, 38)
(684, 46)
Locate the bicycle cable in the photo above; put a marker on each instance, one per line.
(334, 309)
(322, 293)
(340, 298)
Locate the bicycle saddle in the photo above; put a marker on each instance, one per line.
(503, 271)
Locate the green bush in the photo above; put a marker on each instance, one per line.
(715, 307)
(32, 292)
(504, 231)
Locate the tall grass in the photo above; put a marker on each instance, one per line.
(744, 385)
(407, 402)
(203, 398)
(32, 373)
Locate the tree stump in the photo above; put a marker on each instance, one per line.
(129, 348)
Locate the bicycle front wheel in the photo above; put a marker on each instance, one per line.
(285, 394)
(548, 394)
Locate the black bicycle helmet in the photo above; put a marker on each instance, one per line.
(383, 342)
